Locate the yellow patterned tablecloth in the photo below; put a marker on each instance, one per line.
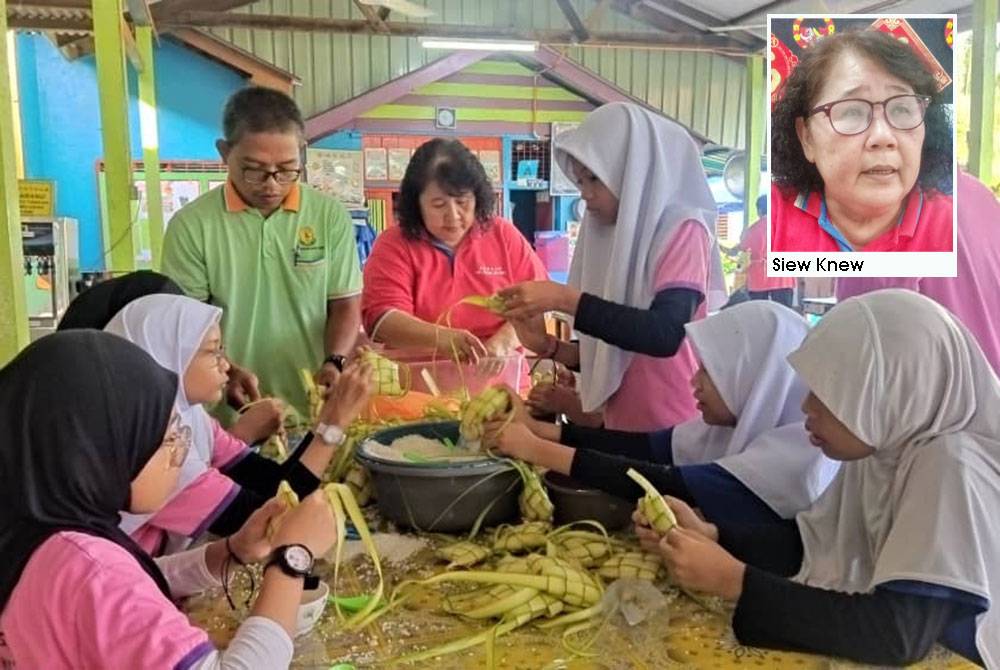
(683, 635)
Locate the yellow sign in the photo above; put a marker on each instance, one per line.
(37, 198)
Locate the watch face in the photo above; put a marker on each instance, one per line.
(298, 558)
(332, 435)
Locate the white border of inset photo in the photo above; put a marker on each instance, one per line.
(862, 263)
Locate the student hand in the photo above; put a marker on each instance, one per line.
(259, 421)
(501, 344)
(520, 410)
(468, 347)
(534, 298)
(565, 377)
(531, 332)
(348, 396)
(242, 387)
(686, 517)
(327, 375)
(689, 519)
(509, 438)
(699, 564)
(553, 399)
(250, 543)
(649, 539)
(310, 523)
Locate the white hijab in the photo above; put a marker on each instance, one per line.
(653, 166)
(170, 328)
(903, 375)
(744, 350)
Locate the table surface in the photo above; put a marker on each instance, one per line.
(682, 635)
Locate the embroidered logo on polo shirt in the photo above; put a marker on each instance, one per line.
(491, 271)
(307, 237)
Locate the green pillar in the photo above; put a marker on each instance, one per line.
(119, 246)
(984, 80)
(150, 141)
(13, 307)
(754, 140)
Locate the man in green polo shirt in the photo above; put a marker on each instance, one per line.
(277, 256)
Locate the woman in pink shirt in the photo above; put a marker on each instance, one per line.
(88, 427)
(448, 245)
(974, 295)
(646, 263)
(754, 242)
(861, 151)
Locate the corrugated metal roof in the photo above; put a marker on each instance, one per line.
(702, 90)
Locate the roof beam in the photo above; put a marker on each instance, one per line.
(131, 49)
(764, 10)
(573, 18)
(413, 29)
(596, 15)
(139, 12)
(65, 24)
(673, 15)
(171, 7)
(372, 17)
(327, 122)
(584, 81)
(261, 73)
(49, 4)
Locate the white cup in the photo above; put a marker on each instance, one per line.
(311, 608)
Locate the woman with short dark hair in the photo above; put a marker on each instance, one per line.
(449, 244)
(861, 151)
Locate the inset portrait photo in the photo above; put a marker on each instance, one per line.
(862, 145)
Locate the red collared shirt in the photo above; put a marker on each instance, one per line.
(423, 280)
(926, 224)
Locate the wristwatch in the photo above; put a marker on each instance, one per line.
(332, 435)
(336, 360)
(295, 560)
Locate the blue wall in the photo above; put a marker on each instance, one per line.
(345, 140)
(61, 122)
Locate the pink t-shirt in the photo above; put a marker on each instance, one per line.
(795, 224)
(754, 242)
(192, 511)
(656, 392)
(974, 295)
(227, 449)
(420, 279)
(84, 602)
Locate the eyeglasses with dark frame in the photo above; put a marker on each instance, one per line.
(259, 176)
(853, 116)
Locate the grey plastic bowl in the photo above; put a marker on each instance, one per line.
(440, 497)
(575, 502)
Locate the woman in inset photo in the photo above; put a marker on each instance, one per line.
(861, 151)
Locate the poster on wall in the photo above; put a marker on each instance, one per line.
(399, 159)
(174, 193)
(490, 158)
(375, 164)
(560, 183)
(337, 172)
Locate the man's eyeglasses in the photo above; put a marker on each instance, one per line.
(258, 176)
(853, 116)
